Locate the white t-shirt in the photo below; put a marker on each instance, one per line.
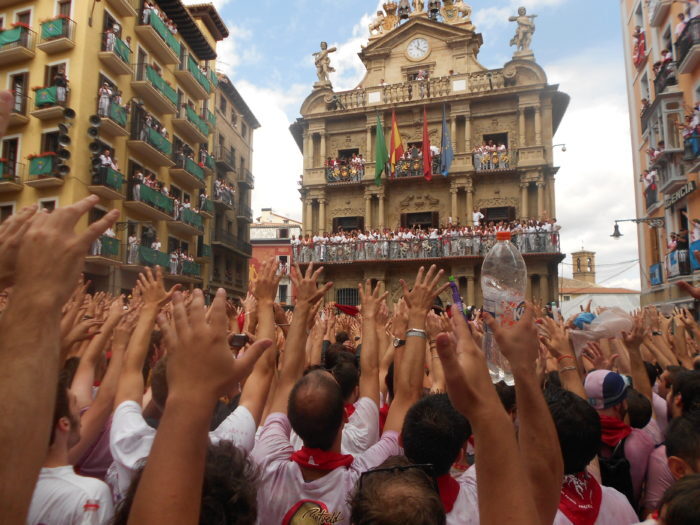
(614, 510)
(284, 496)
(359, 433)
(131, 439)
(466, 507)
(476, 217)
(60, 494)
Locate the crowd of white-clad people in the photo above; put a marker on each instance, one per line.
(491, 156)
(224, 191)
(530, 236)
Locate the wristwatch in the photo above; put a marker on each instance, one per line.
(399, 342)
(415, 332)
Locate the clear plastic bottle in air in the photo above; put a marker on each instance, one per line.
(503, 284)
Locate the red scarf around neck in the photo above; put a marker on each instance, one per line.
(383, 413)
(449, 490)
(614, 430)
(580, 498)
(349, 409)
(321, 460)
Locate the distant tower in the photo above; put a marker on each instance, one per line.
(584, 266)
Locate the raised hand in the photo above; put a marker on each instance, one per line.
(306, 284)
(200, 364)
(518, 343)
(595, 355)
(370, 299)
(268, 281)
(635, 337)
(399, 323)
(555, 337)
(11, 233)
(152, 288)
(425, 289)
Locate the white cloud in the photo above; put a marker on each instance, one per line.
(235, 50)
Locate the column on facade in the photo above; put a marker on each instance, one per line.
(323, 147)
(470, 204)
(521, 128)
(309, 149)
(380, 214)
(540, 198)
(321, 216)
(538, 126)
(523, 200)
(309, 224)
(453, 209)
(453, 133)
(467, 133)
(552, 199)
(544, 288)
(471, 300)
(368, 146)
(368, 212)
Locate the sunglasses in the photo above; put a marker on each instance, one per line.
(426, 468)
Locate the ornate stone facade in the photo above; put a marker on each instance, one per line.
(513, 105)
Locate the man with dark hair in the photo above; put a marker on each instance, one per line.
(397, 491)
(61, 496)
(583, 499)
(684, 395)
(314, 485)
(683, 445)
(681, 503)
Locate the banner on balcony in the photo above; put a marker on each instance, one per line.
(117, 114)
(656, 275)
(672, 199)
(694, 263)
(122, 50)
(46, 96)
(52, 29)
(672, 262)
(10, 36)
(41, 166)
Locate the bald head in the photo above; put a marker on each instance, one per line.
(315, 409)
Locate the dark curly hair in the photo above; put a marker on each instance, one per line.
(229, 493)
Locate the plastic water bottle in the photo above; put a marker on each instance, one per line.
(503, 284)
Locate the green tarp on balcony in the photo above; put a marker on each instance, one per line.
(110, 246)
(149, 257)
(164, 32)
(41, 165)
(197, 121)
(156, 199)
(117, 114)
(191, 268)
(114, 179)
(193, 219)
(46, 96)
(54, 29)
(158, 141)
(193, 168)
(10, 36)
(161, 85)
(198, 75)
(122, 50)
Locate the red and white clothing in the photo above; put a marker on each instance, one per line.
(284, 496)
(464, 510)
(131, 439)
(60, 495)
(585, 502)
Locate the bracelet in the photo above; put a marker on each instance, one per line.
(567, 369)
(415, 332)
(561, 357)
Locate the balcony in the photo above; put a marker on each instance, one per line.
(57, 35)
(157, 37)
(10, 176)
(18, 112)
(223, 197)
(113, 121)
(531, 245)
(43, 171)
(229, 240)
(207, 161)
(50, 102)
(124, 7)
(210, 118)
(153, 147)
(105, 250)
(244, 213)
(344, 174)
(160, 96)
(17, 44)
(192, 79)
(187, 223)
(651, 198)
(107, 183)
(413, 168)
(150, 203)
(688, 47)
(671, 171)
(203, 252)
(678, 263)
(191, 269)
(187, 172)
(247, 179)
(493, 161)
(207, 209)
(658, 10)
(137, 255)
(656, 274)
(666, 77)
(225, 159)
(115, 54)
(190, 125)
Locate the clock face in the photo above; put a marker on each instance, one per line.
(418, 48)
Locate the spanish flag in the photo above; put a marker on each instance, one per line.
(396, 151)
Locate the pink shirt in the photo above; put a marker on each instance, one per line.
(660, 411)
(284, 496)
(659, 478)
(638, 448)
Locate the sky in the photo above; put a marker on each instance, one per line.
(579, 45)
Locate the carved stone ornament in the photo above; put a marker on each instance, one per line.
(456, 12)
(498, 202)
(391, 19)
(347, 212)
(418, 202)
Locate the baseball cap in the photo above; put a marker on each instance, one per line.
(605, 389)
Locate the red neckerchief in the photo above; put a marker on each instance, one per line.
(349, 410)
(614, 430)
(241, 321)
(580, 498)
(321, 460)
(449, 490)
(383, 413)
(348, 310)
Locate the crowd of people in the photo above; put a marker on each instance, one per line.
(491, 156)
(150, 9)
(452, 240)
(107, 94)
(224, 191)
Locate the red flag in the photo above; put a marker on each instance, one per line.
(396, 151)
(427, 157)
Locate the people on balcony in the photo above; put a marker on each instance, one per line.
(340, 169)
(491, 156)
(223, 191)
(155, 245)
(655, 152)
(133, 249)
(104, 98)
(418, 243)
(106, 160)
(60, 81)
(638, 45)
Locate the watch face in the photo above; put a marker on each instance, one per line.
(418, 48)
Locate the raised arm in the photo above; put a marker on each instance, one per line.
(537, 435)
(556, 338)
(200, 369)
(408, 372)
(633, 342)
(257, 386)
(294, 360)
(369, 359)
(154, 297)
(45, 265)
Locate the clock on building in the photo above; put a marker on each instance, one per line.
(418, 48)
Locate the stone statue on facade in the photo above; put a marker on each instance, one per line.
(376, 28)
(322, 62)
(418, 7)
(391, 20)
(456, 12)
(404, 9)
(524, 32)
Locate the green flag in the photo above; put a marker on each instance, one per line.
(381, 156)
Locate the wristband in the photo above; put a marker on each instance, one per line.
(567, 369)
(562, 357)
(417, 332)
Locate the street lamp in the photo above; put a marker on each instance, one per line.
(654, 222)
(563, 147)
